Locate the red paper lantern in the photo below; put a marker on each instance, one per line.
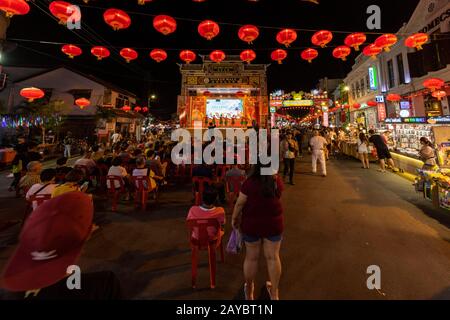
(372, 103)
(165, 24)
(14, 7)
(128, 54)
(217, 56)
(342, 52)
(137, 109)
(126, 108)
(145, 109)
(393, 97)
(355, 40)
(417, 40)
(439, 94)
(248, 33)
(62, 10)
(286, 37)
(248, 56)
(71, 50)
(433, 84)
(187, 56)
(309, 54)
(32, 93)
(117, 19)
(279, 55)
(386, 41)
(208, 29)
(372, 51)
(82, 103)
(158, 55)
(100, 52)
(322, 38)
(356, 106)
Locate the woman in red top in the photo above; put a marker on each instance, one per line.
(259, 215)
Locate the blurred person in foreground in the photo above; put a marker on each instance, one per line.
(50, 245)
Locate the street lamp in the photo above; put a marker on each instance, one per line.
(153, 96)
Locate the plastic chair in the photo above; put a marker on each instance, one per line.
(113, 191)
(198, 187)
(38, 199)
(141, 185)
(233, 188)
(205, 242)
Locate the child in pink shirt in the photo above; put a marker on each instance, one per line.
(208, 211)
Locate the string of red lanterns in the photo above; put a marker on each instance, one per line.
(279, 55)
(117, 19)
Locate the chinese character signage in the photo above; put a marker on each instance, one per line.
(373, 78)
(381, 112)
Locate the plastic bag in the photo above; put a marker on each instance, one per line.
(234, 245)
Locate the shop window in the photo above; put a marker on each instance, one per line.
(390, 67)
(433, 107)
(363, 87)
(368, 83)
(401, 69)
(107, 97)
(122, 100)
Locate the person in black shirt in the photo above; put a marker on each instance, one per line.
(382, 151)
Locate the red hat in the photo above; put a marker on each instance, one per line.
(51, 240)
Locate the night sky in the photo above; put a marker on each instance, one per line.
(144, 76)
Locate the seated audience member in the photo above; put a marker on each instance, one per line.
(97, 153)
(87, 161)
(142, 171)
(118, 171)
(34, 272)
(235, 171)
(124, 155)
(32, 176)
(46, 187)
(208, 210)
(154, 162)
(61, 166)
(74, 179)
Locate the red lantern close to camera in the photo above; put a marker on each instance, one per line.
(63, 11)
(433, 84)
(217, 56)
(248, 56)
(32, 93)
(82, 103)
(14, 7)
(394, 97)
(187, 56)
(286, 37)
(372, 103)
(117, 19)
(355, 40)
(342, 52)
(417, 40)
(372, 51)
(322, 38)
(248, 33)
(309, 55)
(100, 52)
(71, 50)
(279, 55)
(356, 106)
(208, 29)
(128, 54)
(158, 55)
(165, 24)
(386, 41)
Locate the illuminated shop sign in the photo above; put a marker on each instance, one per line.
(273, 110)
(393, 120)
(407, 120)
(373, 78)
(379, 99)
(381, 112)
(276, 103)
(404, 105)
(439, 120)
(298, 103)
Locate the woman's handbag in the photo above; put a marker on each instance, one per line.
(234, 245)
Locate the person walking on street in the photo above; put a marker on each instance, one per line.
(363, 150)
(318, 145)
(68, 141)
(289, 149)
(382, 151)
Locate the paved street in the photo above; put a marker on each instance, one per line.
(335, 228)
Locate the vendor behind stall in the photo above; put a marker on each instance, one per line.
(427, 154)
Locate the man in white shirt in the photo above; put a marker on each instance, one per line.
(116, 138)
(318, 145)
(46, 186)
(87, 162)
